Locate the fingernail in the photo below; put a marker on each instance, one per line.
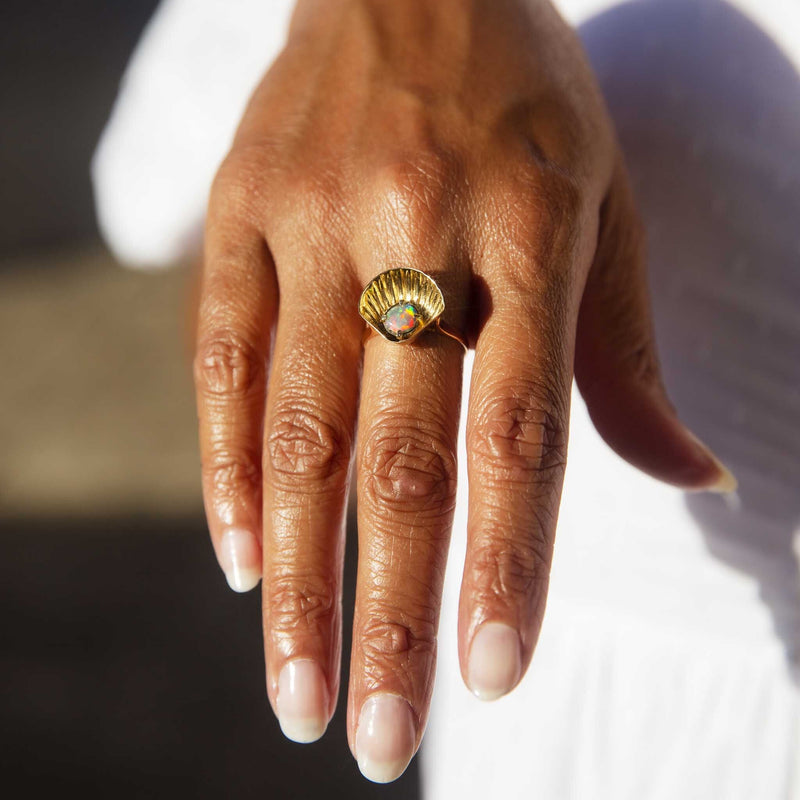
(302, 701)
(240, 559)
(495, 661)
(385, 737)
(725, 482)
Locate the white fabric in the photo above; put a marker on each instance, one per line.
(658, 673)
(181, 98)
(667, 666)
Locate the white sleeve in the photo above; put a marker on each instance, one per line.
(179, 103)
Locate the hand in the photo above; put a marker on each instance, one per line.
(466, 139)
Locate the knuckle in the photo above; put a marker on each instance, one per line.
(512, 569)
(520, 434)
(410, 470)
(304, 448)
(415, 190)
(308, 602)
(384, 641)
(227, 364)
(230, 471)
(237, 190)
(314, 202)
(540, 210)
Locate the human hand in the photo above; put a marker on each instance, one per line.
(466, 139)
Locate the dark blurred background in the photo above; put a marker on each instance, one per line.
(128, 668)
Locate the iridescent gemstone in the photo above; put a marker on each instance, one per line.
(400, 320)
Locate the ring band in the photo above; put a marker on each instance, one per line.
(401, 303)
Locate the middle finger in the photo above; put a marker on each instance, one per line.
(408, 425)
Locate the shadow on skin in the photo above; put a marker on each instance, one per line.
(708, 112)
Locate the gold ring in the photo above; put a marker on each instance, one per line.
(401, 303)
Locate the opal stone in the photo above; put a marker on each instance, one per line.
(401, 320)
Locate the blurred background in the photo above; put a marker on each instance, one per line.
(128, 668)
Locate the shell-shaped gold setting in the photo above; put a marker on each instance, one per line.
(402, 287)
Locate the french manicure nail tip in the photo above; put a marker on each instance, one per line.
(240, 559)
(726, 483)
(302, 701)
(385, 738)
(494, 661)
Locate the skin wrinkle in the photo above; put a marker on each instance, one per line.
(284, 563)
(417, 537)
(512, 576)
(515, 431)
(514, 516)
(402, 599)
(228, 474)
(288, 517)
(535, 517)
(227, 364)
(390, 574)
(296, 601)
(404, 475)
(393, 638)
(417, 616)
(304, 450)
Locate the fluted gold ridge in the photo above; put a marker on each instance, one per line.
(396, 286)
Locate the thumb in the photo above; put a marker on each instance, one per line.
(616, 363)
